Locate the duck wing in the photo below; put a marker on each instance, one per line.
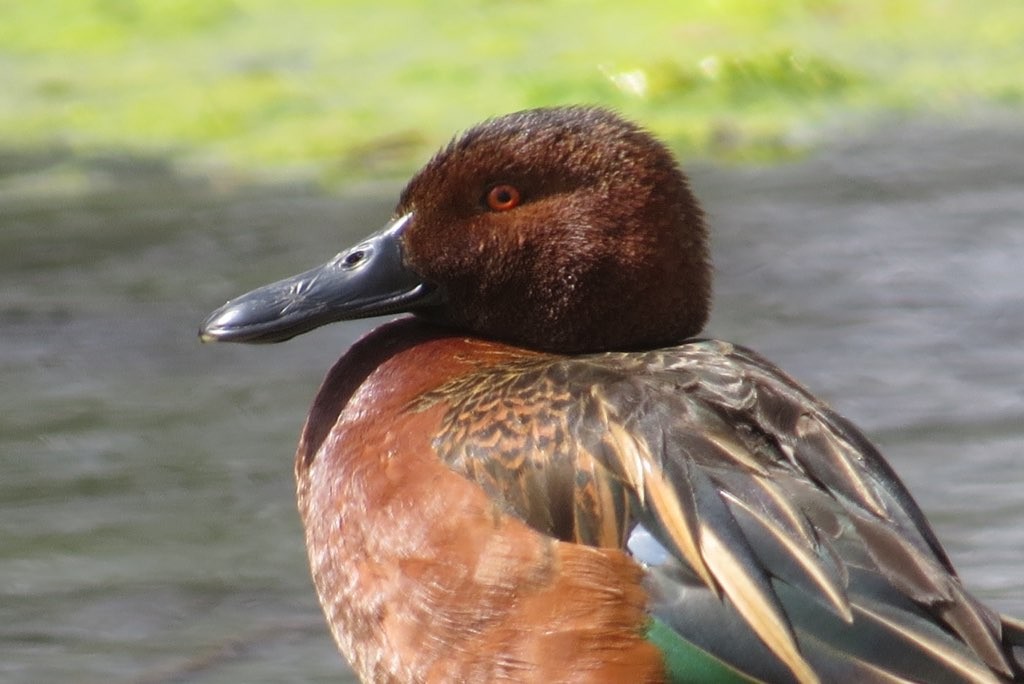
(774, 535)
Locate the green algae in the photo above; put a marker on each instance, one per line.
(336, 90)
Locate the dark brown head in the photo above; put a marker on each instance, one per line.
(566, 229)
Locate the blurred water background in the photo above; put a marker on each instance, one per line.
(146, 500)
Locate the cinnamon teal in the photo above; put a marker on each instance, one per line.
(542, 476)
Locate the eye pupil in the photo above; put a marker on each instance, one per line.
(503, 197)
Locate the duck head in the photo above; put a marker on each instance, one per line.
(563, 229)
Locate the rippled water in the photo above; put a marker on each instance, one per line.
(146, 507)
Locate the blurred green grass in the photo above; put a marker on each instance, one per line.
(343, 89)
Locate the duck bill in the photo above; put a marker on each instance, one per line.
(369, 279)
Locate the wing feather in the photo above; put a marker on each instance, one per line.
(775, 513)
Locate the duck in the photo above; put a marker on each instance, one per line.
(537, 471)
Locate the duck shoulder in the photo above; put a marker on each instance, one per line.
(772, 533)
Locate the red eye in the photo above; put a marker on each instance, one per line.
(503, 197)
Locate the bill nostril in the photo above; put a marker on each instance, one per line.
(353, 259)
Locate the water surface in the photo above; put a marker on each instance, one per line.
(146, 500)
